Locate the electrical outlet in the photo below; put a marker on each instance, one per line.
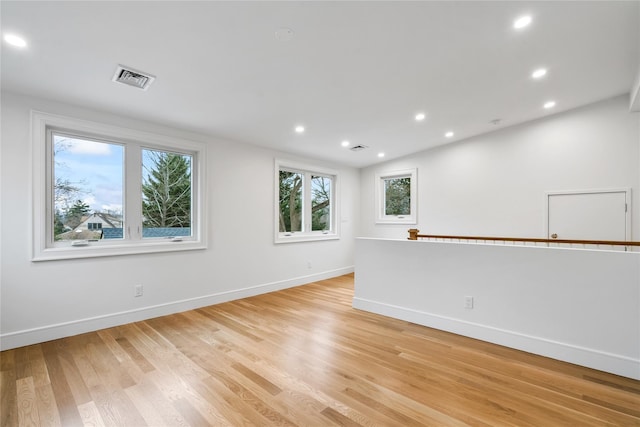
(468, 302)
(309, 264)
(137, 291)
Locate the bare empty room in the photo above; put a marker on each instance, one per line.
(369, 213)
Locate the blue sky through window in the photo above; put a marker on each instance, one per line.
(94, 167)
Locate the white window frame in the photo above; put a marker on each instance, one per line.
(306, 235)
(43, 246)
(381, 217)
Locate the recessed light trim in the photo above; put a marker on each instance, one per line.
(420, 117)
(549, 104)
(299, 129)
(448, 134)
(539, 73)
(522, 22)
(15, 40)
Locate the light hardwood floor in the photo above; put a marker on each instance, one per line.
(301, 356)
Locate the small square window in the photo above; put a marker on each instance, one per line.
(396, 197)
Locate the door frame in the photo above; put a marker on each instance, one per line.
(626, 190)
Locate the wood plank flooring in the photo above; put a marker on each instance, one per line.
(299, 357)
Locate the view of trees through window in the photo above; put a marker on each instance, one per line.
(290, 201)
(397, 196)
(166, 190)
(88, 191)
(292, 204)
(320, 203)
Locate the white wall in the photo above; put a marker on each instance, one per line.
(491, 184)
(45, 300)
(495, 184)
(580, 306)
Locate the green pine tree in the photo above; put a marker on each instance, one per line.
(74, 214)
(166, 190)
(58, 224)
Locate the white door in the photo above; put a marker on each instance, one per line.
(594, 215)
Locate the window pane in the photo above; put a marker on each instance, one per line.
(166, 194)
(320, 203)
(290, 199)
(87, 189)
(397, 196)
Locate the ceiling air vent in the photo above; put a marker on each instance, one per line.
(131, 77)
(358, 148)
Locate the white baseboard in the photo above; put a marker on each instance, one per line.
(612, 363)
(50, 332)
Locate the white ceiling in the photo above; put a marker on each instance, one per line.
(353, 70)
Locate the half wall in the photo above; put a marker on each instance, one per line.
(579, 306)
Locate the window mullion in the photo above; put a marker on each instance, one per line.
(133, 192)
(306, 210)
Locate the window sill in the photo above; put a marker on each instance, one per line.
(93, 250)
(396, 220)
(304, 237)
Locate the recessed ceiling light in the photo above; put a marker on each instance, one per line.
(299, 129)
(522, 22)
(539, 73)
(380, 154)
(345, 143)
(420, 117)
(448, 134)
(14, 40)
(549, 104)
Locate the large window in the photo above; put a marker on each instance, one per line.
(396, 197)
(101, 190)
(305, 203)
